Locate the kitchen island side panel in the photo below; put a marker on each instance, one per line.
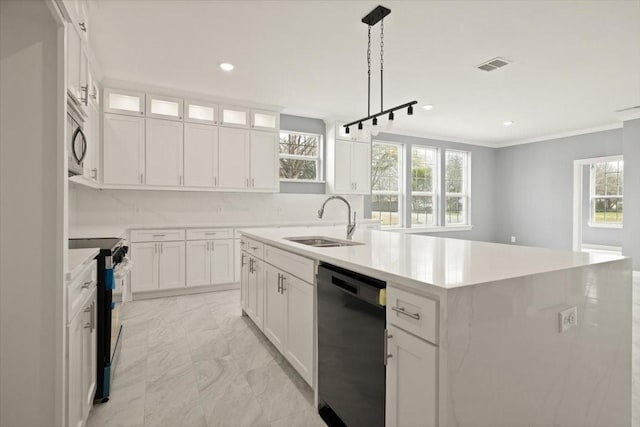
(504, 361)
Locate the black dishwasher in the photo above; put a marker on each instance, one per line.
(351, 354)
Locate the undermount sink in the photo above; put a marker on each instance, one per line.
(321, 241)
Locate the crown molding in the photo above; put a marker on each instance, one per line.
(629, 115)
(616, 125)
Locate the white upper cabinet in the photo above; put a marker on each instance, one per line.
(200, 112)
(123, 149)
(234, 116)
(264, 161)
(74, 59)
(124, 102)
(361, 167)
(200, 155)
(265, 120)
(164, 150)
(164, 107)
(234, 161)
(348, 163)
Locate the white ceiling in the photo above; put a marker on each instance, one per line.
(574, 62)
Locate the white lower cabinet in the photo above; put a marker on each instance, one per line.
(255, 291)
(210, 262)
(298, 347)
(158, 265)
(411, 382)
(274, 313)
(81, 360)
(287, 304)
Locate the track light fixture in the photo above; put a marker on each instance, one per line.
(346, 130)
(372, 18)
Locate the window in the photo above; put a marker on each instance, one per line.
(424, 173)
(456, 187)
(300, 156)
(386, 183)
(606, 193)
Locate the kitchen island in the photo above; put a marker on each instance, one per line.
(482, 333)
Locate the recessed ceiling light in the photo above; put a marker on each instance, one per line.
(428, 107)
(508, 123)
(225, 66)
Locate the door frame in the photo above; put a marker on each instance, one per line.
(577, 195)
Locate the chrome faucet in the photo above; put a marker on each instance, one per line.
(350, 227)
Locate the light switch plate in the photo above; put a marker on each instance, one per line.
(568, 318)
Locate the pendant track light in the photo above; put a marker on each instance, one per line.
(346, 130)
(377, 15)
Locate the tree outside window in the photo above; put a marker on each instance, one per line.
(300, 156)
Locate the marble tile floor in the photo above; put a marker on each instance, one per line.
(195, 361)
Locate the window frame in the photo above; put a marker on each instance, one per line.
(319, 159)
(593, 196)
(434, 194)
(466, 187)
(401, 192)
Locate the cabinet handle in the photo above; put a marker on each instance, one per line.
(141, 178)
(83, 26)
(279, 282)
(387, 356)
(215, 181)
(85, 99)
(180, 179)
(94, 173)
(159, 235)
(253, 182)
(404, 311)
(255, 248)
(212, 247)
(207, 246)
(155, 248)
(282, 286)
(247, 182)
(210, 234)
(242, 263)
(86, 284)
(250, 265)
(161, 248)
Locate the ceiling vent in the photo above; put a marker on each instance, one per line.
(493, 64)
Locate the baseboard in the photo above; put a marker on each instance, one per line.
(184, 291)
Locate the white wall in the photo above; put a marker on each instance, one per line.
(32, 244)
(89, 207)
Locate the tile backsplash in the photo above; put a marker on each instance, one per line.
(88, 206)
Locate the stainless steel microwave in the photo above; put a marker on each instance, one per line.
(77, 145)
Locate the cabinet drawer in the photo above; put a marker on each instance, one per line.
(80, 289)
(209, 233)
(158, 235)
(298, 266)
(413, 313)
(254, 248)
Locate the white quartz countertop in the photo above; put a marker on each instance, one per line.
(77, 259)
(416, 260)
(118, 231)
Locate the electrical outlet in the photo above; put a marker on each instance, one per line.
(513, 239)
(568, 318)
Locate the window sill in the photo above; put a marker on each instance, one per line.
(421, 230)
(304, 181)
(614, 226)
